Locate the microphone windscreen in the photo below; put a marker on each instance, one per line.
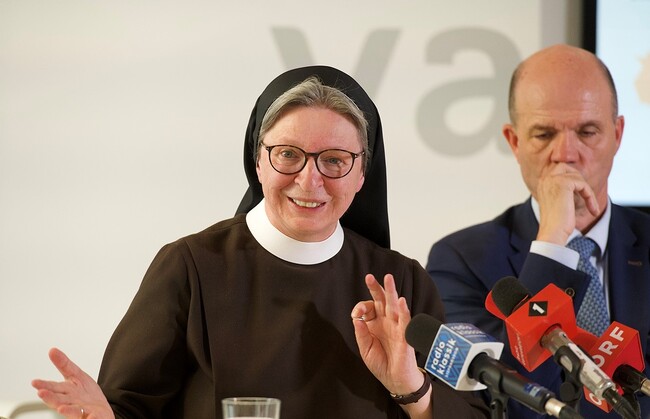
(421, 331)
(508, 293)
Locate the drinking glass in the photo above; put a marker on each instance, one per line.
(251, 407)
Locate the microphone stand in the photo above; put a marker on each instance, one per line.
(498, 403)
(625, 405)
(571, 388)
(631, 398)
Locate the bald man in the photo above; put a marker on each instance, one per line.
(564, 132)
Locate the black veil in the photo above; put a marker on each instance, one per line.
(368, 213)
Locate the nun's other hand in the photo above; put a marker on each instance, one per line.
(78, 396)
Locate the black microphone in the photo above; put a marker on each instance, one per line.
(459, 353)
(630, 378)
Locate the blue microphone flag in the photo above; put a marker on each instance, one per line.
(453, 349)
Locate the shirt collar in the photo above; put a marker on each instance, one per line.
(286, 248)
(599, 233)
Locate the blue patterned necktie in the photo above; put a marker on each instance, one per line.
(592, 314)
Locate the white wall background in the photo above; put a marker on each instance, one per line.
(623, 42)
(122, 125)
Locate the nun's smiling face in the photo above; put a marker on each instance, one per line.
(307, 206)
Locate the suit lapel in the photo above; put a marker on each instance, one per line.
(524, 231)
(629, 275)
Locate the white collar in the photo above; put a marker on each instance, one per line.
(286, 248)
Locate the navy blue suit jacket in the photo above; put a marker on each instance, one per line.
(466, 264)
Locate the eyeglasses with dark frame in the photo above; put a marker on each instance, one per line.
(332, 163)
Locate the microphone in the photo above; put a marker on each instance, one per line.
(527, 319)
(463, 357)
(544, 324)
(628, 377)
(619, 354)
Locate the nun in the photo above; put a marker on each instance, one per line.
(296, 297)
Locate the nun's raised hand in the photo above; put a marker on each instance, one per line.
(379, 327)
